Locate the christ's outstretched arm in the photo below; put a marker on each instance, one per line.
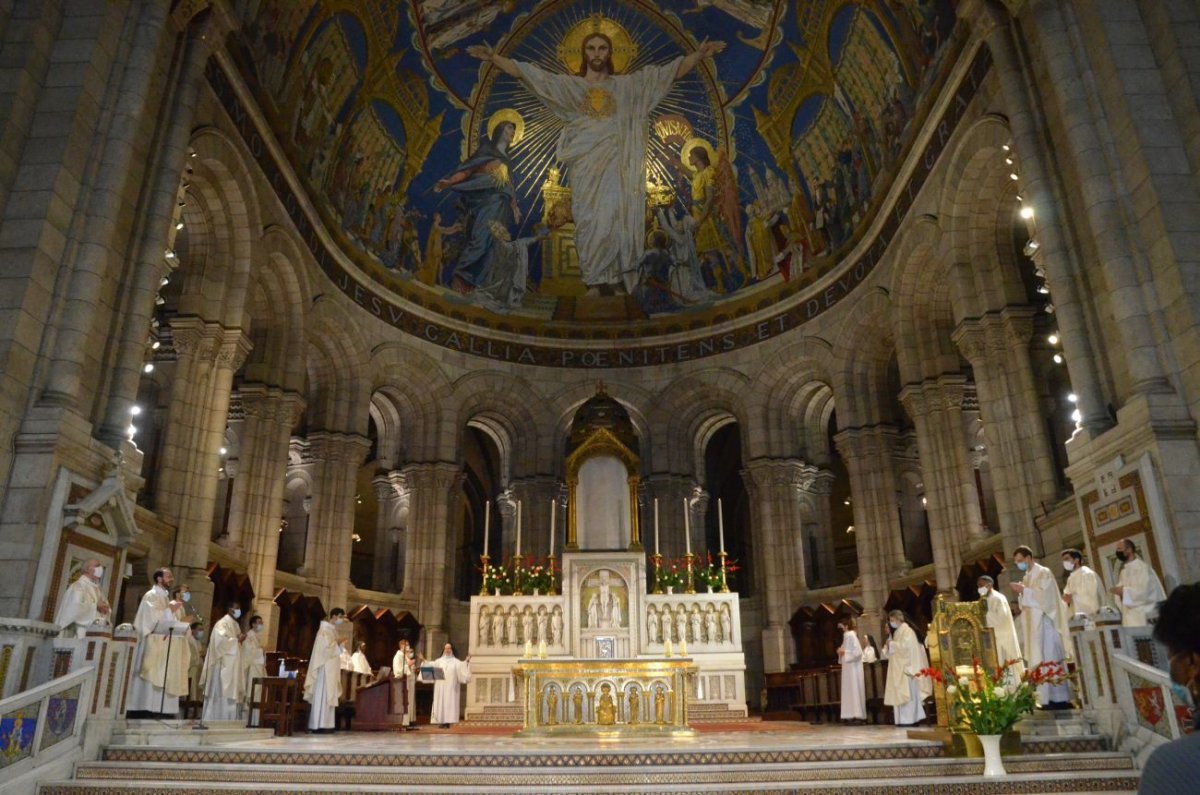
(707, 49)
(485, 52)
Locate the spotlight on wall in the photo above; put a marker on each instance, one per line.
(1013, 176)
(164, 281)
(179, 225)
(148, 368)
(924, 502)
(1026, 212)
(223, 451)
(1072, 398)
(155, 345)
(135, 409)
(1031, 248)
(850, 529)
(1006, 147)
(1077, 415)
(131, 431)
(1043, 289)
(1008, 160)
(1052, 339)
(1058, 359)
(1049, 309)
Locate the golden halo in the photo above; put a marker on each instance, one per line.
(570, 50)
(503, 115)
(685, 154)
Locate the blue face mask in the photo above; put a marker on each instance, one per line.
(1023, 566)
(1183, 695)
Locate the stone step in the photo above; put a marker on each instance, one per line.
(183, 733)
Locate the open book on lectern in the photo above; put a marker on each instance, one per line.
(431, 673)
(169, 626)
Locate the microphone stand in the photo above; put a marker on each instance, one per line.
(162, 701)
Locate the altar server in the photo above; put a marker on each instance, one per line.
(404, 667)
(254, 659)
(358, 661)
(850, 655)
(1083, 594)
(160, 660)
(1138, 587)
(1004, 630)
(906, 657)
(323, 683)
(1043, 624)
(84, 603)
(222, 673)
(446, 691)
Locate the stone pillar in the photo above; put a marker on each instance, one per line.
(207, 357)
(535, 494)
(773, 486)
(504, 528)
(331, 523)
(878, 537)
(671, 491)
(698, 502)
(997, 345)
(435, 489)
(391, 495)
(818, 520)
(258, 500)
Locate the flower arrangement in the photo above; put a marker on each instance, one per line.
(532, 574)
(673, 574)
(537, 575)
(709, 575)
(991, 702)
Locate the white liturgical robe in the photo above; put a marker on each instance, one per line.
(1044, 627)
(1004, 630)
(222, 674)
(905, 690)
(80, 606)
(446, 692)
(1143, 591)
(254, 663)
(323, 684)
(359, 664)
(404, 667)
(854, 692)
(1087, 595)
(603, 146)
(161, 658)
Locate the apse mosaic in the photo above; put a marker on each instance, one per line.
(594, 169)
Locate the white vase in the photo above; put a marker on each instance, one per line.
(497, 592)
(993, 763)
(710, 590)
(537, 592)
(670, 589)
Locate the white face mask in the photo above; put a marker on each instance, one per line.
(237, 613)
(186, 596)
(893, 625)
(983, 591)
(98, 572)
(1069, 565)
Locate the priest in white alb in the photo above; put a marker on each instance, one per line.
(162, 656)
(254, 662)
(1004, 630)
(905, 691)
(850, 656)
(1083, 592)
(323, 683)
(1138, 587)
(83, 604)
(605, 131)
(1044, 630)
(222, 673)
(447, 691)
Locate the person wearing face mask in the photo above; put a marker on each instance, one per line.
(222, 673)
(999, 618)
(905, 691)
(161, 657)
(1043, 624)
(84, 603)
(254, 660)
(854, 691)
(1083, 594)
(196, 662)
(1175, 767)
(323, 683)
(1138, 587)
(181, 604)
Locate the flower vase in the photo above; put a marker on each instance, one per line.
(993, 763)
(710, 590)
(537, 591)
(497, 592)
(670, 589)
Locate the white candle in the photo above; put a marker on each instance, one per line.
(656, 525)
(553, 517)
(687, 527)
(487, 524)
(721, 524)
(518, 552)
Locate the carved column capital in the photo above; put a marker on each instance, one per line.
(338, 447)
(971, 339)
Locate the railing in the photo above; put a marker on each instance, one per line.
(42, 726)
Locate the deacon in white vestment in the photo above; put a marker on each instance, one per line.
(358, 661)
(1004, 630)
(605, 118)
(1044, 632)
(1138, 587)
(1083, 593)
(404, 667)
(446, 692)
(84, 603)
(162, 656)
(222, 673)
(905, 691)
(854, 691)
(254, 661)
(323, 682)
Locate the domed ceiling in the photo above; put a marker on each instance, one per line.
(733, 155)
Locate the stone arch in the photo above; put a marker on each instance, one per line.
(860, 384)
(563, 405)
(790, 385)
(338, 399)
(275, 313)
(417, 390)
(501, 402)
(921, 288)
(686, 405)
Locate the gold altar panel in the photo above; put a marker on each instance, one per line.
(606, 698)
(962, 637)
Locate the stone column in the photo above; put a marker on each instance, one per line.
(331, 523)
(1021, 465)
(254, 521)
(207, 357)
(435, 489)
(878, 537)
(383, 573)
(535, 494)
(819, 520)
(773, 486)
(698, 502)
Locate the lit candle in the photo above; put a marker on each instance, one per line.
(656, 525)
(553, 517)
(518, 552)
(721, 524)
(487, 524)
(687, 527)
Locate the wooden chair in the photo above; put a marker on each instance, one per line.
(272, 704)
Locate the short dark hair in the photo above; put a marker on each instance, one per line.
(985, 578)
(255, 618)
(1075, 553)
(847, 622)
(196, 624)
(1129, 543)
(158, 573)
(1176, 626)
(337, 611)
(1024, 551)
(233, 605)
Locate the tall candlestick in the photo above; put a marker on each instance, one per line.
(687, 527)
(487, 524)
(656, 525)
(518, 552)
(721, 524)
(553, 517)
